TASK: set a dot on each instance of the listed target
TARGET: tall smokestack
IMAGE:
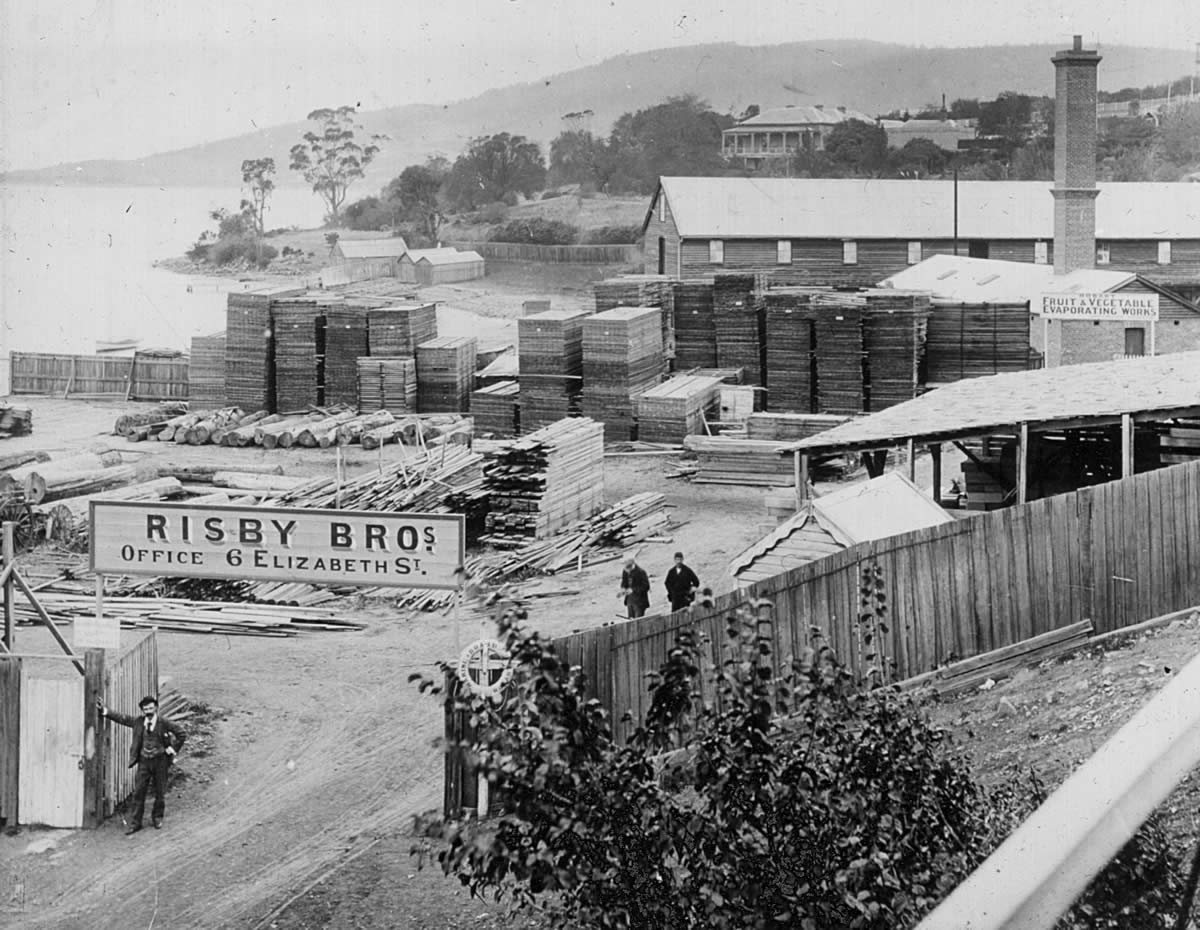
(1075, 158)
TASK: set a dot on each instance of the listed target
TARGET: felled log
(34, 479)
(200, 433)
(56, 486)
(219, 434)
(203, 474)
(309, 435)
(416, 431)
(352, 430)
(77, 507)
(243, 481)
(217, 497)
(128, 422)
(245, 434)
(382, 435)
(283, 433)
(17, 459)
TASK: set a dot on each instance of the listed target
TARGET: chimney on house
(1075, 158)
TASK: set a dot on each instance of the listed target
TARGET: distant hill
(868, 76)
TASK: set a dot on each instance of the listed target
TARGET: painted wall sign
(409, 550)
(1143, 307)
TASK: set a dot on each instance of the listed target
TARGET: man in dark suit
(635, 589)
(156, 740)
(681, 583)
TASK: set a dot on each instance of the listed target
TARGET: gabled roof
(415, 255)
(984, 280)
(448, 257)
(804, 208)
(801, 116)
(1099, 392)
(392, 247)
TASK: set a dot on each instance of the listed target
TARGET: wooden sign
(1098, 306)
(408, 550)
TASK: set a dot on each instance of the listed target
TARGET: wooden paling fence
(554, 254)
(1115, 553)
(10, 737)
(128, 678)
(138, 377)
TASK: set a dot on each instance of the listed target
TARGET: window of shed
(783, 252)
(849, 253)
(1041, 253)
(1103, 253)
(716, 251)
(1164, 253)
(914, 252)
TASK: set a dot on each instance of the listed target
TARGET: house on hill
(780, 132)
(839, 231)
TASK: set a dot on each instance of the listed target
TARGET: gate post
(93, 739)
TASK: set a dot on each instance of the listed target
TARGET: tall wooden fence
(130, 677)
(554, 254)
(1117, 554)
(10, 738)
(139, 378)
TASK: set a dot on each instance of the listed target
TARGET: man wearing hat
(681, 583)
(156, 740)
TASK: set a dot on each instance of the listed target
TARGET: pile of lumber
(345, 343)
(396, 331)
(838, 330)
(964, 341)
(788, 427)
(299, 353)
(738, 321)
(788, 332)
(387, 384)
(724, 460)
(894, 341)
(549, 366)
(989, 481)
(622, 358)
(15, 421)
(681, 406)
(1180, 443)
(446, 374)
(496, 409)
(544, 481)
(641, 290)
(206, 370)
(249, 354)
(695, 330)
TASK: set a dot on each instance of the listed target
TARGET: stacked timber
(387, 384)
(496, 409)
(345, 343)
(299, 353)
(249, 355)
(398, 330)
(788, 331)
(788, 427)
(964, 341)
(894, 340)
(641, 290)
(544, 481)
(15, 421)
(206, 370)
(738, 321)
(681, 406)
(695, 329)
(840, 355)
(549, 366)
(622, 358)
(446, 374)
(989, 476)
(1180, 443)
(722, 460)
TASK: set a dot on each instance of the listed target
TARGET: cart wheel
(20, 515)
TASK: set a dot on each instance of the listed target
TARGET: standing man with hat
(156, 740)
(681, 583)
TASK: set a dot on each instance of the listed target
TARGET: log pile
(679, 407)
(387, 384)
(622, 358)
(788, 331)
(722, 460)
(738, 320)
(15, 421)
(550, 366)
(206, 371)
(972, 341)
(446, 374)
(497, 409)
(86, 473)
(397, 331)
(695, 329)
(128, 422)
(299, 353)
(641, 290)
(544, 481)
(345, 343)
(894, 335)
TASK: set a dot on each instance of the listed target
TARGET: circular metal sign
(483, 667)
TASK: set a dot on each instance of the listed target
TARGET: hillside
(868, 76)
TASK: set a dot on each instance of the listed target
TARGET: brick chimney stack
(1075, 158)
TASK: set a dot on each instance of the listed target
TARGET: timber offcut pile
(544, 481)
(641, 290)
(622, 358)
(299, 329)
(971, 341)
(738, 320)
(15, 421)
(550, 366)
(206, 371)
(387, 384)
(695, 329)
(397, 330)
(446, 374)
(894, 335)
(722, 460)
(679, 407)
(788, 331)
(496, 409)
(345, 343)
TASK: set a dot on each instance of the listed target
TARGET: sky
(81, 79)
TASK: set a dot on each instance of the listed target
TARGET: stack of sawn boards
(894, 342)
(677, 408)
(544, 481)
(249, 355)
(387, 384)
(722, 460)
(788, 328)
(206, 371)
(550, 366)
(622, 358)
(972, 341)
(446, 374)
(641, 290)
(738, 321)
(695, 331)
(496, 409)
(299, 353)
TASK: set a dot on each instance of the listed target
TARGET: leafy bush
(494, 212)
(536, 231)
(369, 213)
(228, 251)
(613, 235)
(551, 195)
(802, 799)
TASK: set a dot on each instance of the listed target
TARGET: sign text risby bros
(408, 550)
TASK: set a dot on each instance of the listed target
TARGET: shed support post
(802, 480)
(9, 555)
(911, 454)
(1023, 463)
(93, 739)
(935, 456)
(875, 462)
(1126, 445)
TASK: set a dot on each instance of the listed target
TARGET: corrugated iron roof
(989, 280)
(448, 257)
(801, 116)
(804, 208)
(1096, 391)
(415, 255)
(392, 247)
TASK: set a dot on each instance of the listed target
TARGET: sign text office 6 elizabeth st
(277, 544)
